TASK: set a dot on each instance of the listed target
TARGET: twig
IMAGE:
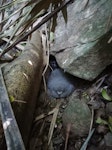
(46, 50)
(44, 115)
(53, 123)
(19, 46)
(110, 40)
(67, 135)
(100, 82)
(84, 146)
(92, 119)
(108, 23)
(2, 15)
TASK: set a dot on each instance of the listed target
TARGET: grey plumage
(59, 84)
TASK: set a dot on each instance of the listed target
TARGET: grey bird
(59, 84)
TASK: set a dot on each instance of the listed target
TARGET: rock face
(78, 115)
(108, 140)
(82, 45)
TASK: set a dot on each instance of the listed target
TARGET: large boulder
(78, 115)
(82, 45)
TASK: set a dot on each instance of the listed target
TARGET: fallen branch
(11, 130)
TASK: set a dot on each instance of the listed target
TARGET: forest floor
(48, 126)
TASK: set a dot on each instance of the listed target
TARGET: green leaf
(106, 96)
(11, 98)
(101, 121)
(110, 123)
